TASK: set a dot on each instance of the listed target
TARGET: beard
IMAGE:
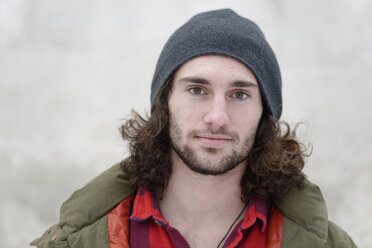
(203, 165)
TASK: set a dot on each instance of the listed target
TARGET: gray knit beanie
(226, 33)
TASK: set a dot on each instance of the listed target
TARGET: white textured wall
(71, 70)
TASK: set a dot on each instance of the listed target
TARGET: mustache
(221, 131)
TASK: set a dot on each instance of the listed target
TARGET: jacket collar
(95, 199)
(305, 208)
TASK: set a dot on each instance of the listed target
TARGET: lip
(213, 141)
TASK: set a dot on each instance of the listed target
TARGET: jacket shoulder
(295, 235)
(83, 216)
(306, 221)
(92, 236)
(338, 238)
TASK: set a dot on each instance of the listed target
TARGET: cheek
(246, 121)
(184, 112)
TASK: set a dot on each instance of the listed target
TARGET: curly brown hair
(275, 157)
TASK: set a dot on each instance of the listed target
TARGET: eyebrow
(237, 83)
(196, 80)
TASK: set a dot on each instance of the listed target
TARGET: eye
(197, 91)
(240, 95)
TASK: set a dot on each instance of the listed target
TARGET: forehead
(215, 67)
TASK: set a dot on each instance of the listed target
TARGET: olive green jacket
(83, 217)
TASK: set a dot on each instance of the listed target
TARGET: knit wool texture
(223, 32)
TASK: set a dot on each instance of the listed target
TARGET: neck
(216, 200)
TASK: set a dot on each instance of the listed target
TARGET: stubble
(194, 161)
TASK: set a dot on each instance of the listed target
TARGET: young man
(212, 165)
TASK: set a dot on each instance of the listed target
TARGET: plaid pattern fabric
(148, 228)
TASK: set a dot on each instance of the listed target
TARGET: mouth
(213, 141)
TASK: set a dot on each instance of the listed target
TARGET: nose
(216, 116)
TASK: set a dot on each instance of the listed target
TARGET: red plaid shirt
(149, 229)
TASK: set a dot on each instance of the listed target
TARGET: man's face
(215, 108)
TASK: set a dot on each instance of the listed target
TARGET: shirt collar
(258, 209)
(146, 206)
